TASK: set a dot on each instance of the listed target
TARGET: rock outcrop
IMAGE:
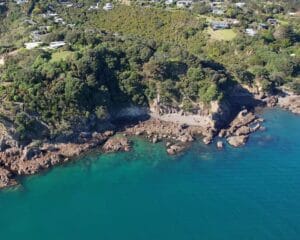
(32, 159)
(176, 135)
(272, 101)
(240, 128)
(290, 102)
(175, 149)
(6, 179)
(117, 143)
(237, 141)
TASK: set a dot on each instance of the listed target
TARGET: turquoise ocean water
(251, 193)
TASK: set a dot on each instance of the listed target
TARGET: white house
(292, 14)
(21, 1)
(29, 21)
(272, 21)
(184, 3)
(71, 25)
(59, 20)
(233, 21)
(108, 6)
(169, 2)
(66, 3)
(240, 4)
(51, 14)
(44, 28)
(94, 7)
(217, 11)
(32, 45)
(35, 35)
(217, 4)
(220, 25)
(48, 15)
(57, 44)
(251, 32)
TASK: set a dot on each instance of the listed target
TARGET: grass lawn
(224, 34)
(61, 55)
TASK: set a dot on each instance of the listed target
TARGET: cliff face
(222, 113)
(7, 138)
(214, 115)
(199, 116)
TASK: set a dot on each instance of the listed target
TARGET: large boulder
(115, 144)
(207, 140)
(186, 138)
(290, 102)
(155, 139)
(220, 144)
(175, 149)
(237, 141)
(240, 125)
(6, 178)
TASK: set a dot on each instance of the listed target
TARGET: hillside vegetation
(176, 27)
(131, 56)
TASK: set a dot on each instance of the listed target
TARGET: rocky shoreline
(177, 136)
(34, 158)
(290, 103)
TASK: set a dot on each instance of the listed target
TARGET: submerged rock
(220, 144)
(175, 149)
(186, 138)
(255, 128)
(138, 133)
(207, 140)
(222, 133)
(155, 139)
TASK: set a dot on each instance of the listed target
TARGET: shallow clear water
(247, 193)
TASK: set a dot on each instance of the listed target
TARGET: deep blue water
(251, 193)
